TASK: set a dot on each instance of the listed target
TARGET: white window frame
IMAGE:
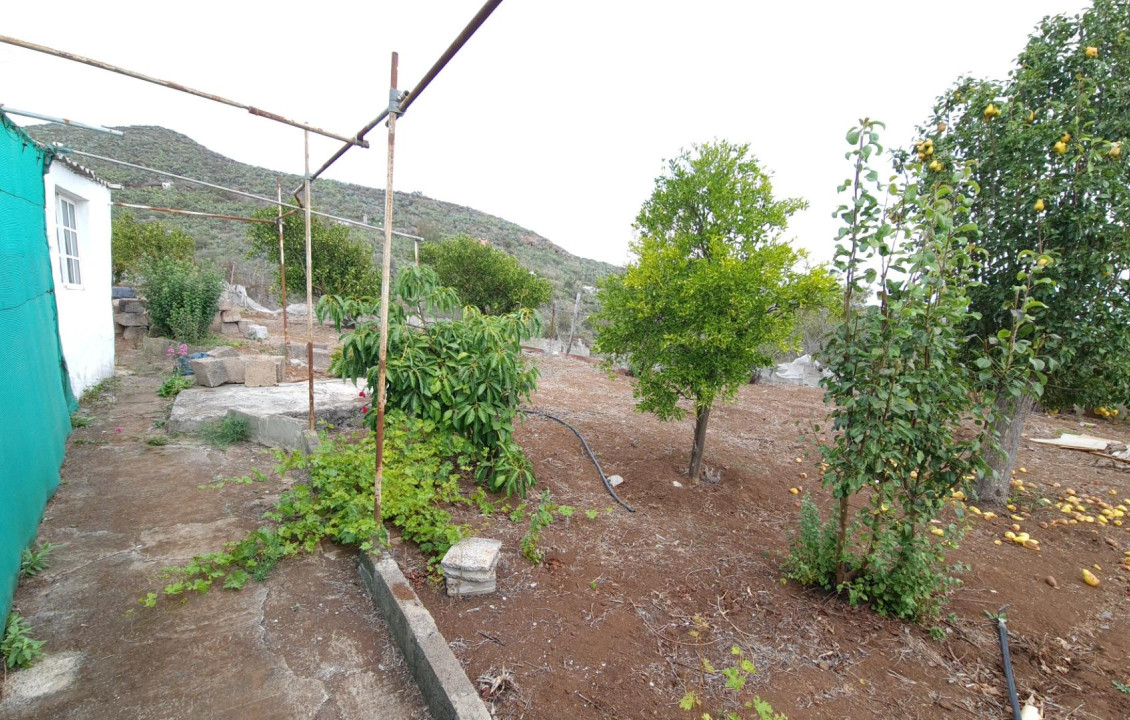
(68, 252)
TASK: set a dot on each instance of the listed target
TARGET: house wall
(86, 320)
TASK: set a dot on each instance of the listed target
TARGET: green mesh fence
(35, 396)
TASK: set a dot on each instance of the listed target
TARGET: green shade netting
(35, 395)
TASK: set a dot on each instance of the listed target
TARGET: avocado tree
(712, 283)
(1046, 149)
(487, 278)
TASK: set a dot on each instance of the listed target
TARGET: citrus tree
(135, 243)
(1048, 152)
(489, 279)
(711, 285)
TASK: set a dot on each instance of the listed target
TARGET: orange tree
(712, 285)
(1047, 147)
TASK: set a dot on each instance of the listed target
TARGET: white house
(77, 203)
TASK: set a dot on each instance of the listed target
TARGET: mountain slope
(225, 241)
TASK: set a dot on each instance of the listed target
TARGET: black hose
(607, 485)
(1003, 631)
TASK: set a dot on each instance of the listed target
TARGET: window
(68, 242)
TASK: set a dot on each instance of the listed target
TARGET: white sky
(557, 115)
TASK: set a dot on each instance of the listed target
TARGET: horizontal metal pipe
(342, 150)
(195, 213)
(177, 86)
(253, 196)
(62, 121)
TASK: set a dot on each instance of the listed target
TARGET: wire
(607, 485)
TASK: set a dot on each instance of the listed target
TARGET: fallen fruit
(937, 531)
(1089, 578)
(794, 491)
(804, 476)
(997, 542)
(1051, 581)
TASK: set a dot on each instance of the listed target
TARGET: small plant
(540, 519)
(219, 483)
(19, 649)
(592, 514)
(95, 393)
(518, 514)
(80, 421)
(222, 434)
(1121, 687)
(157, 441)
(174, 384)
(736, 676)
(33, 560)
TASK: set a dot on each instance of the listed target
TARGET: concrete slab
(334, 401)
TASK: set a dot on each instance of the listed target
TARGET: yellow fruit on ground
(989, 515)
(1010, 534)
(794, 491)
(1091, 51)
(1016, 527)
(974, 509)
(1021, 538)
(1089, 578)
(1012, 507)
(937, 531)
(1060, 147)
(1069, 491)
(1096, 566)
(997, 542)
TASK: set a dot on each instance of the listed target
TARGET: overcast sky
(557, 115)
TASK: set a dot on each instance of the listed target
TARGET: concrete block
(116, 303)
(136, 332)
(209, 372)
(469, 566)
(119, 329)
(260, 371)
(457, 587)
(130, 305)
(223, 351)
(321, 360)
(334, 402)
(230, 316)
(443, 684)
(231, 328)
(243, 326)
(131, 319)
(233, 367)
(157, 346)
(257, 332)
(225, 305)
(280, 368)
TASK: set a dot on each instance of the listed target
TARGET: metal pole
(386, 271)
(253, 196)
(282, 278)
(416, 250)
(553, 320)
(177, 86)
(60, 121)
(309, 288)
(194, 213)
(573, 325)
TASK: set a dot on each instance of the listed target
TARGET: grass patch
(157, 441)
(222, 434)
(80, 421)
(174, 384)
(95, 393)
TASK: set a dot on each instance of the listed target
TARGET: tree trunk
(701, 417)
(992, 490)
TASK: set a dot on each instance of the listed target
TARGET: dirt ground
(617, 621)
(306, 643)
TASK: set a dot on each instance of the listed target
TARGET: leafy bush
(19, 649)
(465, 375)
(342, 264)
(135, 244)
(334, 501)
(491, 280)
(181, 298)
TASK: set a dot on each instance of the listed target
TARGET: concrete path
(305, 643)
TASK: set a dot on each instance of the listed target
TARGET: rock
(130, 319)
(226, 305)
(209, 372)
(615, 480)
(131, 305)
(469, 566)
(230, 316)
(243, 326)
(676, 483)
(122, 292)
(229, 328)
(322, 360)
(233, 366)
(137, 332)
(223, 351)
(1051, 581)
(335, 402)
(257, 332)
(261, 370)
(119, 329)
(158, 347)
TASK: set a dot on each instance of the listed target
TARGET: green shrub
(33, 560)
(135, 244)
(491, 280)
(342, 264)
(17, 647)
(224, 433)
(181, 298)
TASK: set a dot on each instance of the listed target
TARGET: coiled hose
(607, 485)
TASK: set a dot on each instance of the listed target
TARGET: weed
(592, 514)
(1121, 687)
(157, 441)
(174, 384)
(222, 434)
(33, 560)
(80, 421)
(736, 676)
(540, 519)
(219, 483)
(937, 633)
(95, 393)
(518, 514)
(19, 649)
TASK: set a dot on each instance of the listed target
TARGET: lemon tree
(1047, 151)
(711, 286)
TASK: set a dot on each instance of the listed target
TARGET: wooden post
(282, 278)
(553, 320)
(309, 284)
(573, 325)
(386, 271)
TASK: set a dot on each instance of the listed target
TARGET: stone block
(119, 329)
(225, 305)
(230, 316)
(243, 326)
(116, 302)
(469, 566)
(130, 305)
(130, 319)
(457, 587)
(136, 332)
(233, 366)
(229, 328)
(260, 370)
(223, 351)
(209, 372)
(257, 332)
(158, 346)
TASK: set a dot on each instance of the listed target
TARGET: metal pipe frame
(194, 213)
(61, 121)
(182, 88)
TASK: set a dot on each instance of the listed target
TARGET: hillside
(225, 241)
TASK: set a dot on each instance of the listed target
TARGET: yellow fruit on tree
(1039, 206)
(935, 166)
(991, 111)
(1031, 116)
(1115, 150)
(1043, 261)
(1066, 138)
(1060, 147)
(1091, 51)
